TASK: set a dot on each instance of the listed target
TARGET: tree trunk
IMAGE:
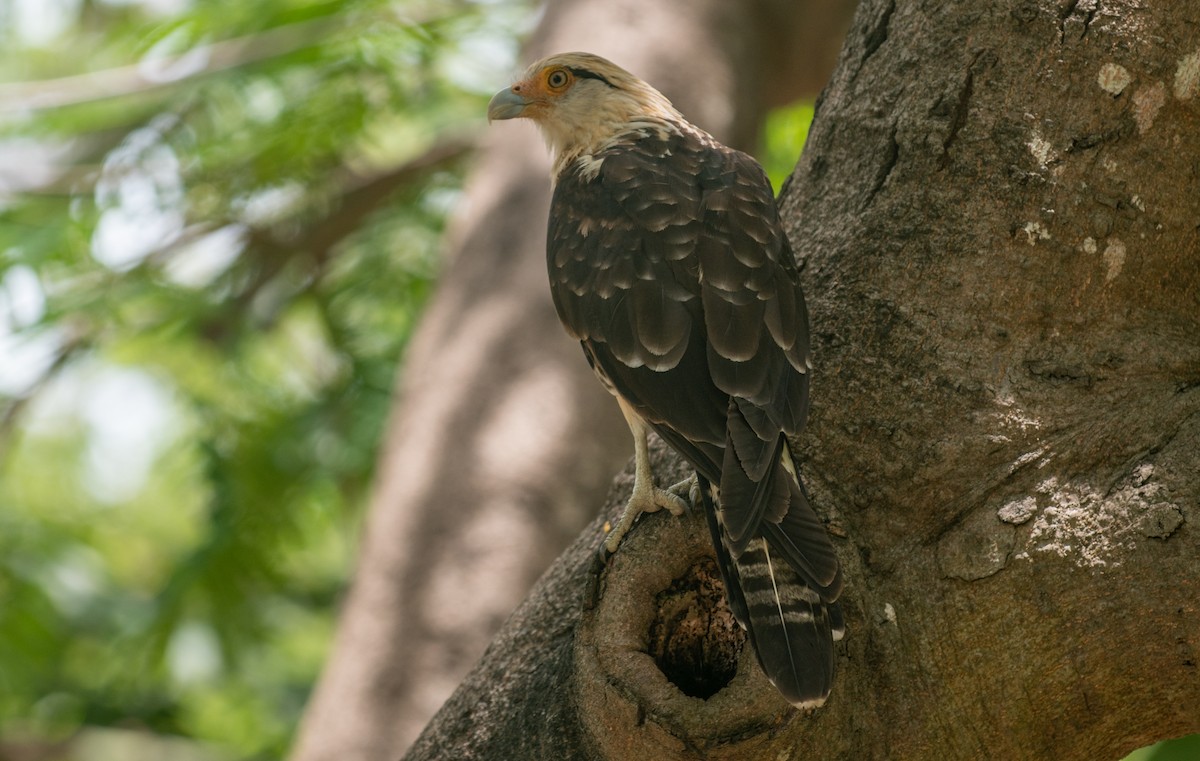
(998, 217)
(503, 442)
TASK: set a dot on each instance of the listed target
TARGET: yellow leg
(646, 497)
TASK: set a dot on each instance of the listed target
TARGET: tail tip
(803, 702)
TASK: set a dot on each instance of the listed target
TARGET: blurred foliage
(784, 135)
(1179, 749)
(219, 220)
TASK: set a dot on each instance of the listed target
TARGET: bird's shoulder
(666, 187)
(657, 157)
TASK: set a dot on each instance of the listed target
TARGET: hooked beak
(506, 104)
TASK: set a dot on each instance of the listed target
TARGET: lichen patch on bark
(1187, 76)
(1113, 78)
(1147, 102)
(1080, 521)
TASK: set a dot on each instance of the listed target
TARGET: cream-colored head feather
(580, 102)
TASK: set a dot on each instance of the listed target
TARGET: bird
(668, 262)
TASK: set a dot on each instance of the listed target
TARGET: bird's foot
(646, 498)
(688, 489)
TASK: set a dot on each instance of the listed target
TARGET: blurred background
(219, 223)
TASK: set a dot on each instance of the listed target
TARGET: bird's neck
(578, 134)
(589, 153)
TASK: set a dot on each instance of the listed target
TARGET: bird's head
(579, 101)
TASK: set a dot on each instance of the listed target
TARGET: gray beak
(506, 104)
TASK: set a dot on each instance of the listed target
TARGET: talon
(646, 498)
(600, 560)
(688, 490)
(674, 503)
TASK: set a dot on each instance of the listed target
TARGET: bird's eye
(558, 79)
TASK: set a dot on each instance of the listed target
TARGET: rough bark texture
(502, 442)
(999, 219)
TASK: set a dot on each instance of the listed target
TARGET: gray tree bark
(502, 442)
(998, 216)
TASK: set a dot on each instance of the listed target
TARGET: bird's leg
(646, 497)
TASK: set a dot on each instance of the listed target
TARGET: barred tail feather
(791, 628)
(789, 625)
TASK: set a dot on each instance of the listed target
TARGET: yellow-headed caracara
(669, 263)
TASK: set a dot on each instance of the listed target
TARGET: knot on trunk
(662, 669)
(694, 637)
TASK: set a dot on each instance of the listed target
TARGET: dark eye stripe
(586, 74)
